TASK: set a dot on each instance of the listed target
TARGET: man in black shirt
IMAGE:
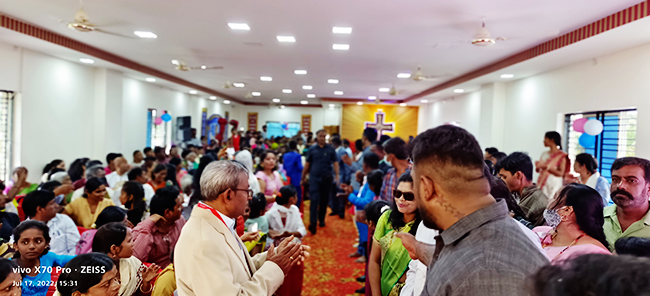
(321, 159)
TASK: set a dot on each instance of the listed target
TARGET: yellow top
(79, 211)
(166, 282)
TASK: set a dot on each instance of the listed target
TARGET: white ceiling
(388, 37)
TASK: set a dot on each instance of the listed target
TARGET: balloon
(587, 141)
(593, 127)
(166, 117)
(579, 124)
(158, 121)
(284, 126)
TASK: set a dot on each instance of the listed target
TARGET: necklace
(570, 245)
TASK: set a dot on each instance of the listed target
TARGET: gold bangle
(150, 289)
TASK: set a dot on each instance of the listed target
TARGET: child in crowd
(285, 221)
(257, 221)
(360, 199)
(373, 211)
(31, 241)
(9, 278)
(114, 240)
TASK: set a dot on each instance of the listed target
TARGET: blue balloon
(284, 126)
(166, 117)
(587, 140)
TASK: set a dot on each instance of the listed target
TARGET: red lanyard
(214, 212)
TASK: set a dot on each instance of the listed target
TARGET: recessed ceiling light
(289, 39)
(145, 34)
(359, 103)
(276, 100)
(238, 84)
(459, 90)
(256, 94)
(286, 91)
(402, 104)
(332, 105)
(507, 76)
(311, 96)
(175, 62)
(404, 75)
(307, 87)
(281, 106)
(340, 46)
(372, 98)
(304, 102)
(239, 26)
(213, 98)
(384, 89)
(150, 79)
(226, 102)
(332, 81)
(203, 67)
(300, 72)
(341, 30)
(193, 92)
(266, 78)
(338, 93)
(424, 101)
(87, 61)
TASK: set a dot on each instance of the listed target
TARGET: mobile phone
(252, 228)
(231, 152)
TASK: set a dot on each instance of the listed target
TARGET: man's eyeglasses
(408, 196)
(250, 192)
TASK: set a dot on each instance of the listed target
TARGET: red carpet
(329, 270)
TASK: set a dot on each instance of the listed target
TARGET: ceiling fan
(81, 23)
(483, 38)
(394, 91)
(419, 76)
(182, 66)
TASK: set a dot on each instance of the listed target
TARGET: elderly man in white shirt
(119, 176)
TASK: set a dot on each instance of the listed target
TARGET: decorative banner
(395, 121)
(252, 121)
(204, 122)
(305, 123)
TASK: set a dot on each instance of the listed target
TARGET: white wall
(319, 116)
(514, 116)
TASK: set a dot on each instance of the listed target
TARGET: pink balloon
(579, 124)
(158, 121)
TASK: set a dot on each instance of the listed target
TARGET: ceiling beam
(49, 36)
(610, 22)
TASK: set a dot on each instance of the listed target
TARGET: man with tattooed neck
(480, 250)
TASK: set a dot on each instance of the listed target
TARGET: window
(618, 138)
(158, 134)
(6, 133)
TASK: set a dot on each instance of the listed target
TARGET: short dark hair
(555, 136)
(257, 204)
(111, 234)
(134, 173)
(31, 224)
(7, 267)
(517, 162)
(397, 147)
(83, 281)
(636, 161)
(92, 184)
(406, 177)
(110, 214)
(371, 134)
(635, 246)
(374, 210)
(135, 152)
(593, 274)
(378, 145)
(376, 179)
(293, 145)
(358, 145)
(286, 192)
(499, 155)
(588, 161)
(371, 160)
(157, 150)
(336, 141)
(112, 156)
(491, 150)
(146, 150)
(175, 161)
(165, 199)
(49, 186)
(35, 199)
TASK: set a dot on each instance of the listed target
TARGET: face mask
(552, 218)
(386, 161)
(257, 160)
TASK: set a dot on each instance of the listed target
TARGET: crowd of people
(435, 216)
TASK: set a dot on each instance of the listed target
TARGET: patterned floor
(329, 270)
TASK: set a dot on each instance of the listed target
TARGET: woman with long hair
(132, 198)
(108, 215)
(268, 176)
(575, 224)
(552, 166)
(389, 259)
(77, 170)
(158, 177)
(84, 211)
(104, 280)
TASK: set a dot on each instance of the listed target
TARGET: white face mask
(386, 161)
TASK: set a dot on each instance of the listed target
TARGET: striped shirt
(390, 184)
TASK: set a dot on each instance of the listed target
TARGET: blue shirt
(293, 166)
(321, 160)
(345, 170)
(39, 284)
(361, 200)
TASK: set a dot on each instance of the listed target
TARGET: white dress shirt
(113, 178)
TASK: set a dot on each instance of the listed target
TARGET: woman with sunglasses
(575, 224)
(388, 258)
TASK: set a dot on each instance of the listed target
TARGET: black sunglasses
(408, 196)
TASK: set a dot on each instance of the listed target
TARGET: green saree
(394, 257)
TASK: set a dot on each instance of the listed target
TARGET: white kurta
(293, 221)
